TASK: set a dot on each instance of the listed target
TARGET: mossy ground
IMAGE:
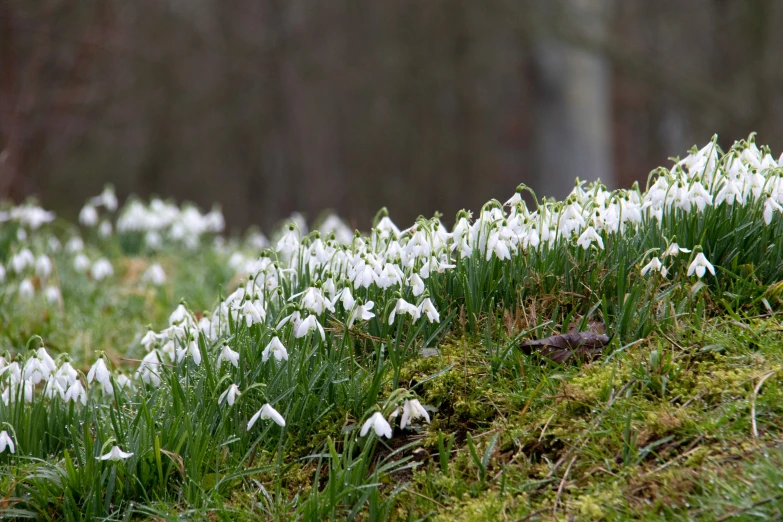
(683, 424)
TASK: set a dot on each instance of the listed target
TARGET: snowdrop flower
(675, 249)
(101, 269)
(147, 371)
(289, 242)
(227, 354)
(192, 350)
(346, 298)
(307, 325)
(253, 315)
(53, 388)
(294, 318)
(515, 199)
(65, 374)
(155, 275)
(43, 267)
(315, 301)
(587, 238)
(76, 393)
(6, 442)
(417, 284)
(700, 265)
(149, 340)
(655, 265)
(107, 198)
(100, 373)
(404, 307)
(361, 313)
(20, 261)
(74, 245)
(105, 229)
(180, 315)
(230, 395)
(26, 289)
(81, 263)
(699, 195)
(52, 294)
(274, 348)
(427, 308)
(115, 454)
(412, 410)
(381, 427)
(265, 413)
(770, 206)
(730, 192)
(88, 216)
(2, 273)
(123, 381)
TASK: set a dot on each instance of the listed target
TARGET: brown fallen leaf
(561, 348)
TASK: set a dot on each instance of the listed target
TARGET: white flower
(179, 315)
(230, 395)
(274, 348)
(105, 229)
(675, 249)
(26, 289)
(427, 308)
(412, 410)
(192, 350)
(22, 260)
(770, 206)
(115, 454)
(149, 340)
(43, 267)
(417, 284)
(101, 269)
(346, 298)
(6, 442)
(81, 263)
(307, 325)
(404, 307)
(52, 294)
(379, 424)
(700, 265)
(100, 373)
(315, 301)
(587, 238)
(76, 393)
(74, 245)
(253, 314)
(227, 354)
(266, 412)
(361, 313)
(655, 265)
(66, 375)
(699, 195)
(88, 216)
(154, 275)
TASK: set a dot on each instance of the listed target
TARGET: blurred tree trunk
(573, 113)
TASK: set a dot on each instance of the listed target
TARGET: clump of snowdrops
(324, 321)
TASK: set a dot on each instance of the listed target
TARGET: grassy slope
(660, 428)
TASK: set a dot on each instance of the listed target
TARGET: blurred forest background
(272, 106)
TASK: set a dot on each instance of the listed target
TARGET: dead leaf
(561, 348)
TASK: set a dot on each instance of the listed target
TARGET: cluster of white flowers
(162, 220)
(19, 381)
(303, 281)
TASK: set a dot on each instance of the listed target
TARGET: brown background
(273, 106)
